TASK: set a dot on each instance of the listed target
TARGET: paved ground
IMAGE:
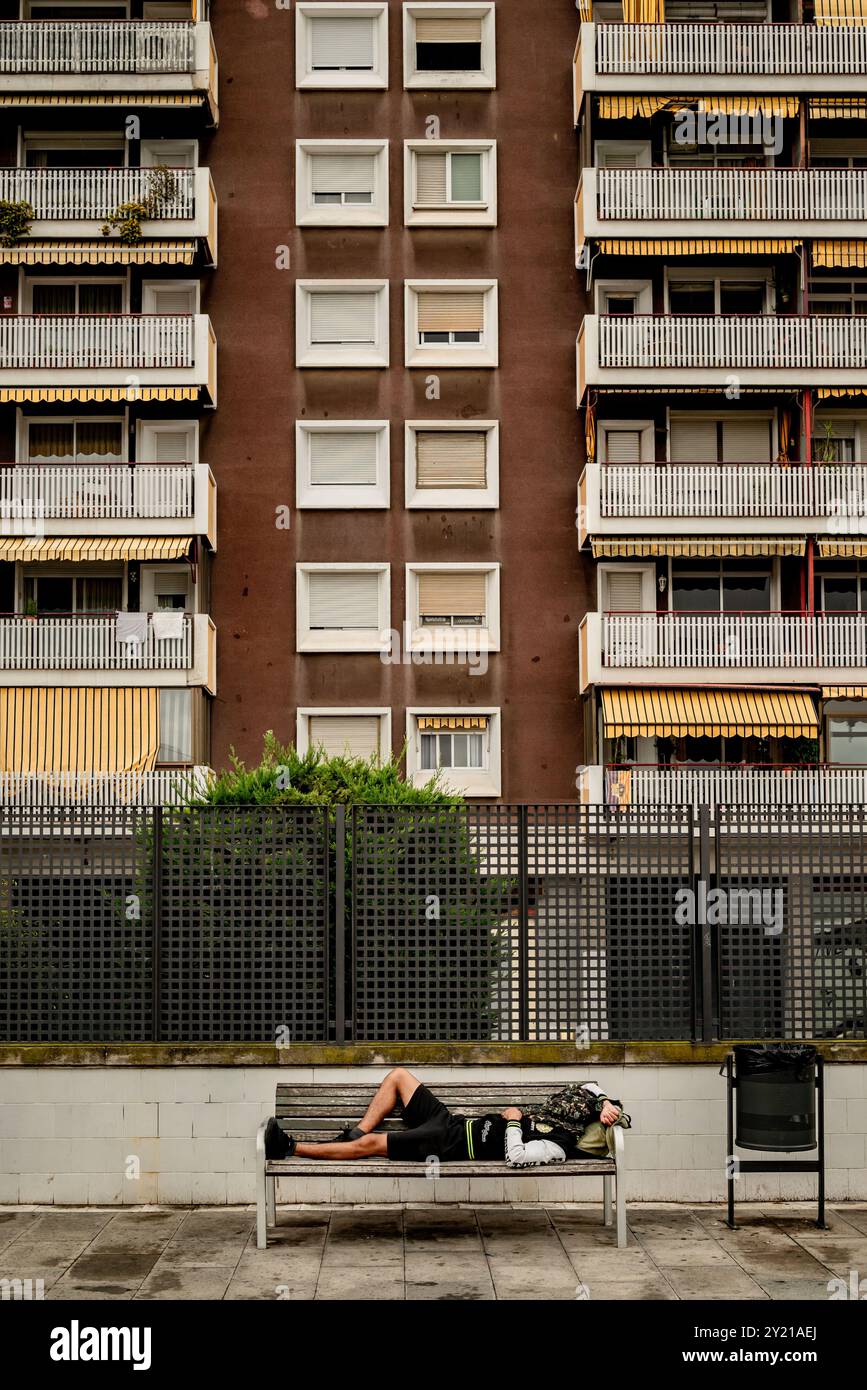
(528, 1252)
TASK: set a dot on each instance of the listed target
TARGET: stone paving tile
(470, 1291)
(13, 1224)
(816, 1291)
(132, 1228)
(126, 1266)
(69, 1225)
(186, 1282)
(91, 1291)
(854, 1216)
(48, 1260)
(652, 1288)
(621, 1265)
(359, 1283)
(710, 1282)
(838, 1254)
(685, 1254)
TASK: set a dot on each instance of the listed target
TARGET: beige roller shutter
(622, 446)
(693, 441)
(747, 441)
(451, 458)
(342, 456)
(448, 30)
(345, 735)
(624, 591)
(343, 173)
(342, 42)
(455, 593)
(431, 179)
(171, 446)
(344, 599)
(451, 311)
(343, 317)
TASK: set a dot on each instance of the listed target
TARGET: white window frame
(677, 274)
(719, 417)
(431, 81)
(485, 354)
(483, 214)
(82, 140)
(641, 148)
(336, 639)
(309, 214)
(165, 427)
(150, 293)
(308, 80)
(641, 289)
(485, 781)
(649, 593)
(337, 355)
(454, 639)
(157, 145)
(304, 714)
(458, 498)
(321, 497)
(646, 429)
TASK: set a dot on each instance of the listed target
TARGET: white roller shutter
(344, 599)
(343, 173)
(341, 43)
(451, 311)
(431, 179)
(171, 446)
(162, 299)
(747, 441)
(454, 594)
(451, 458)
(693, 441)
(343, 316)
(622, 446)
(345, 735)
(342, 456)
(624, 591)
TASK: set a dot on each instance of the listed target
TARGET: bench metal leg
(620, 1197)
(271, 1196)
(607, 1204)
(261, 1191)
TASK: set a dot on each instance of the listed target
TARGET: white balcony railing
(93, 341)
(746, 786)
(90, 499)
(88, 642)
(735, 49)
(736, 340)
(750, 490)
(716, 195)
(726, 641)
(87, 194)
(159, 787)
(97, 46)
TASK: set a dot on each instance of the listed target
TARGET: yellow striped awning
(710, 390)
(106, 251)
(832, 108)
(708, 247)
(825, 392)
(80, 729)
(635, 713)
(695, 547)
(102, 99)
(644, 11)
(839, 253)
(20, 394)
(842, 547)
(76, 548)
(620, 108)
(585, 10)
(845, 12)
(431, 722)
(844, 692)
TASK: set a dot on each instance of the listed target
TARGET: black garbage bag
(795, 1060)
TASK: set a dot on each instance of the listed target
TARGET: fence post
(340, 924)
(706, 955)
(156, 924)
(523, 929)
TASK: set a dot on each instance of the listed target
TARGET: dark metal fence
(474, 923)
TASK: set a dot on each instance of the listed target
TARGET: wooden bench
(313, 1112)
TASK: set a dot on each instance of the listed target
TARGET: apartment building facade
(721, 379)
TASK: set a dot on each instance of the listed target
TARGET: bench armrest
(260, 1141)
(619, 1145)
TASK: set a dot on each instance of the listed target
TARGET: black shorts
(432, 1131)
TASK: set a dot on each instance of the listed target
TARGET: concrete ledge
(389, 1054)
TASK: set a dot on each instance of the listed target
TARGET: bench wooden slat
(385, 1168)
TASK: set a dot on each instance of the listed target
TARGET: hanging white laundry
(168, 625)
(131, 628)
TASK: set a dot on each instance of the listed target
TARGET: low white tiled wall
(112, 1135)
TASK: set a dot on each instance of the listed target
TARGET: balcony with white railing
(89, 648)
(758, 648)
(724, 785)
(132, 352)
(168, 57)
(730, 58)
(93, 499)
(162, 786)
(684, 350)
(741, 499)
(75, 203)
(734, 202)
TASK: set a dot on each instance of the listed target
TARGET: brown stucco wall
(249, 441)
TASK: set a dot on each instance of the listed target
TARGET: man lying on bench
(573, 1123)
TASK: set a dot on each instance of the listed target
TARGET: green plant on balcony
(15, 220)
(126, 220)
(827, 449)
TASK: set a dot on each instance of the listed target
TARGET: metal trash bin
(775, 1092)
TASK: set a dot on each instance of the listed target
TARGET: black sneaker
(277, 1144)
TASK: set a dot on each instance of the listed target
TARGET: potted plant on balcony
(162, 187)
(30, 610)
(15, 220)
(827, 450)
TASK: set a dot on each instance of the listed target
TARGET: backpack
(573, 1108)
